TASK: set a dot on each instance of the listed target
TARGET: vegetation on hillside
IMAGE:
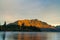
(29, 26)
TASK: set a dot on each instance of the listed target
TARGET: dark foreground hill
(28, 26)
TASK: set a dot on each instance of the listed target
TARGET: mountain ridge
(27, 25)
(33, 22)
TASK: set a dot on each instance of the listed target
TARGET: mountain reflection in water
(30, 36)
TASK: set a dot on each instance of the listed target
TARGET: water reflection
(30, 36)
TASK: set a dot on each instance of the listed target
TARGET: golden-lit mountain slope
(34, 23)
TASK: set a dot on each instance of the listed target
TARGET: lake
(30, 35)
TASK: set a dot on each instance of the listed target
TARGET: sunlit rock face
(33, 23)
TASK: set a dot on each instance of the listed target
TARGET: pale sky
(44, 10)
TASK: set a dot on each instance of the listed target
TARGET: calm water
(30, 35)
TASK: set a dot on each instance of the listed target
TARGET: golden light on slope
(34, 23)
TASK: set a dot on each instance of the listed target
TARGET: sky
(44, 10)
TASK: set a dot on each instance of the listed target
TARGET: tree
(4, 26)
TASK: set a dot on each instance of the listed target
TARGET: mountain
(33, 23)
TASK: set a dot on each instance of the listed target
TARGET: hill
(33, 22)
(33, 25)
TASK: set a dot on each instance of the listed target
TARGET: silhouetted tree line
(12, 27)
